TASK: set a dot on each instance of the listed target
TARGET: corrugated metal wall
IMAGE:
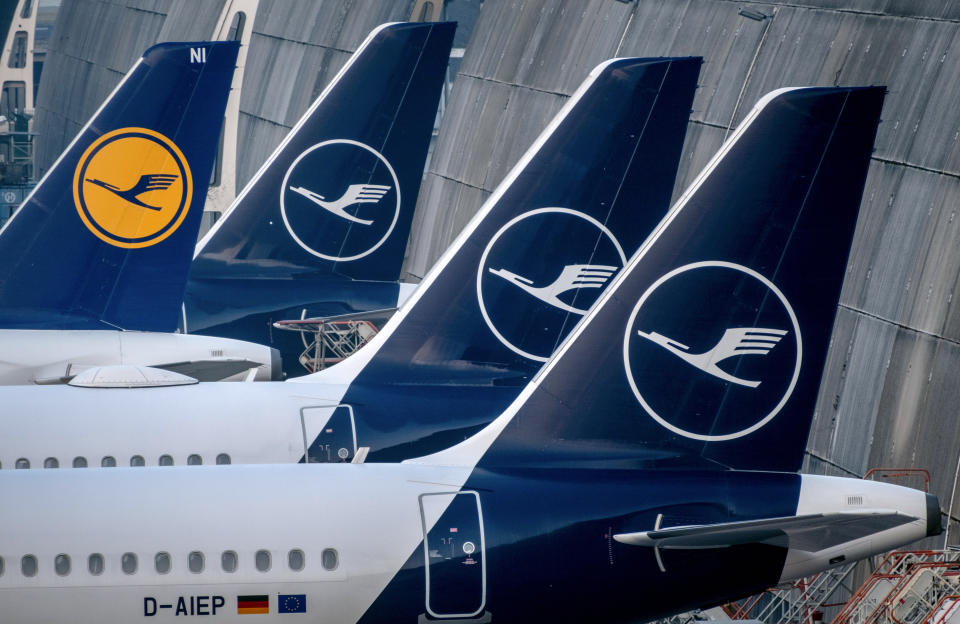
(93, 44)
(296, 48)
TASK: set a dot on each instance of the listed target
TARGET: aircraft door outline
(454, 532)
(318, 429)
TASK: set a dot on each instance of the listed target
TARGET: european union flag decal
(291, 603)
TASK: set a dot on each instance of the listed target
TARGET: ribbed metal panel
(296, 48)
(93, 45)
(190, 20)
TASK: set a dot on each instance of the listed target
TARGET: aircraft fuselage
(396, 543)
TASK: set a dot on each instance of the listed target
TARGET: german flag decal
(248, 605)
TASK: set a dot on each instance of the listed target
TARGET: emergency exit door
(455, 565)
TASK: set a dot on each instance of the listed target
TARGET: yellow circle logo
(132, 187)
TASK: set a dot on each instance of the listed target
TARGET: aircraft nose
(934, 527)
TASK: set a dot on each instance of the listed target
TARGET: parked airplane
(495, 528)
(103, 242)
(587, 193)
(321, 229)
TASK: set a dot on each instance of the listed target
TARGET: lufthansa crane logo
(340, 200)
(132, 187)
(539, 275)
(712, 351)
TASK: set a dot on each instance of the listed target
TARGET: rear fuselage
(388, 543)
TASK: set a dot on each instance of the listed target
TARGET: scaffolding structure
(328, 341)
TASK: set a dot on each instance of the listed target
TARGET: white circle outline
(796, 368)
(507, 226)
(283, 208)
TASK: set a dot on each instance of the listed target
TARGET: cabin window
(194, 460)
(223, 459)
(79, 462)
(195, 562)
(138, 460)
(128, 563)
(51, 462)
(95, 564)
(329, 559)
(22, 464)
(25, 12)
(61, 564)
(28, 565)
(161, 562)
(262, 560)
(295, 559)
(228, 561)
(1, 566)
(108, 462)
(165, 460)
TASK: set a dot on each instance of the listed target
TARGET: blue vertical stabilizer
(105, 239)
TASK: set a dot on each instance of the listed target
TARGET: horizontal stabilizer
(214, 369)
(810, 533)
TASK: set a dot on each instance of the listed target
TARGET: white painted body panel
(251, 422)
(28, 355)
(210, 509)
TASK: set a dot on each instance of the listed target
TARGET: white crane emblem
(734, 342)
(573, 276)
(355, 194)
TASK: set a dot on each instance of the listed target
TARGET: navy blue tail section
(531, 263)
(105, 240)
(708, 350)
(322, 228)
(337, 196)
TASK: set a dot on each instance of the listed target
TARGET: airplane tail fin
(707, 350)
(104, 239)
(563, 222)
(338, 193)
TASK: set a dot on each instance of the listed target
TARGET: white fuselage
(247, 422)
(213, 510)
(29, 356)
(332, 536)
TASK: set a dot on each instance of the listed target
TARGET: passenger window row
(108, 461)
(163, 562)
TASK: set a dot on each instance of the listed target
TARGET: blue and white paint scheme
(498, 528)
(321, 229)
(585, 195)
(104, 240)
(110, 250)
